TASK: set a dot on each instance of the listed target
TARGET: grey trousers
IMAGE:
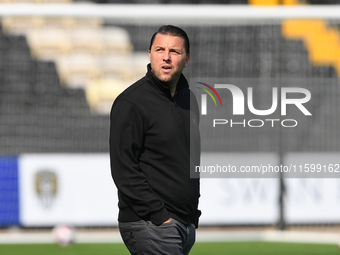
(145, 238)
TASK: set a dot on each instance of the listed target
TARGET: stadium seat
(86, 40)
(72, 23)
(18, 1)
(115, 39)
(274, 2)
(20, 25)
(75, 70)
(59, 23)
(126, 67)
(102, 92)
(100, 40)
(322, 42)
(89, 23)
(54, 1)
(49, 43)
(37, 1)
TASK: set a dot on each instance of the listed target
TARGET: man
(151, 125)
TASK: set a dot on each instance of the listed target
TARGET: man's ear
(187, 60)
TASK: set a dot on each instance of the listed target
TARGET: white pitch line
(18, 237)
(268, 235)
(113, 236)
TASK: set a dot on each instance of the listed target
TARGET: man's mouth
(166, 68)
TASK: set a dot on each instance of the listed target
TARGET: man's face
(168, 58)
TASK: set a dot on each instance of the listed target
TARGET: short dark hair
(174, 31)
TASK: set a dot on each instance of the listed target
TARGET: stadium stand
(36, 113)
(81, 48)
(39, 113)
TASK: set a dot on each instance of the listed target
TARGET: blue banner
(9, 191)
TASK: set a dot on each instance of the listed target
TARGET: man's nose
(166, 56)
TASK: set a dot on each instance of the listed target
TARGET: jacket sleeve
(195, 218)
(126, 144)
(195, 143)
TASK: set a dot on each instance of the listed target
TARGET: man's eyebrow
(171, 48)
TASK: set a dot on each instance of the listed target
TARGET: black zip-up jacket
(150, 152)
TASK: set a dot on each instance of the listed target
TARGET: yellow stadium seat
(18, 1)
(37, 1)
(100, 41)
(116, 39)
(264, 2)
(60, 23)
(127, 67)
(89, 23)
(86, 40)
(48, 43)
(275, 2)
(101, 93)
(77, 70)
(20, 25)
(73, 23)
(55, 1)
(321, 41)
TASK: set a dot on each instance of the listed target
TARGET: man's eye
(175, 52)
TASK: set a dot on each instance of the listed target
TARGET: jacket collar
(181, 84)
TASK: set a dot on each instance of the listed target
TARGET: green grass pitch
(216, 248)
